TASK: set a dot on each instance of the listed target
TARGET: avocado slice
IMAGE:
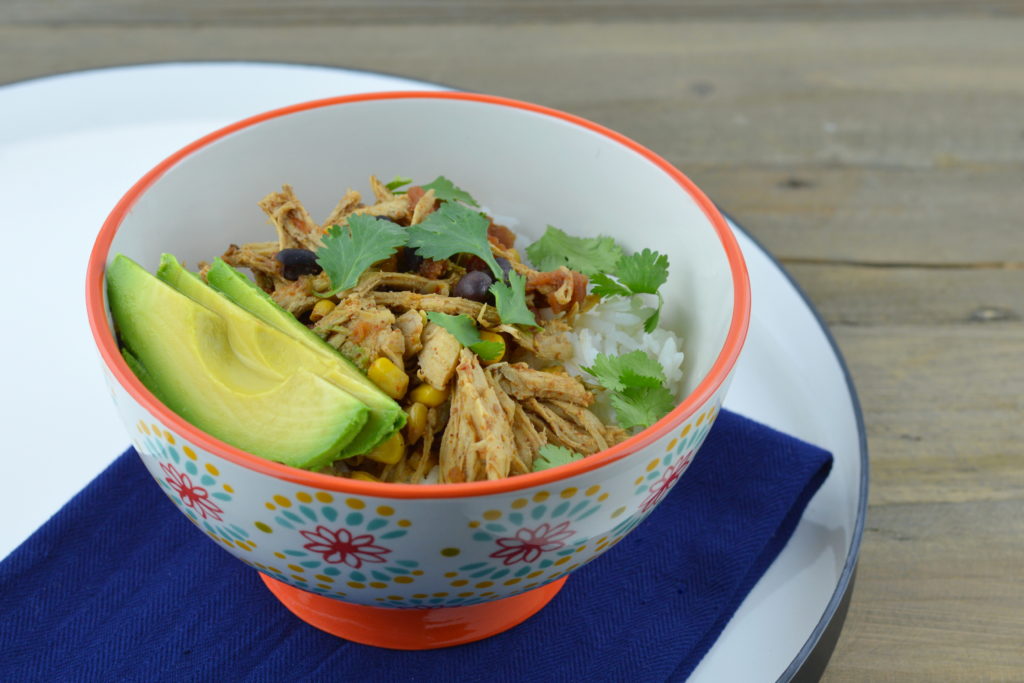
(185, 353)
(386, 416)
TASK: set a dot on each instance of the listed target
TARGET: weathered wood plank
(938, 596)
(945, 396)
(938, 589)
(958, 215)
(855, 295)
(312, 12)
(872, 93)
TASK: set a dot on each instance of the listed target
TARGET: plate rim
(800, 664)
(844, 585)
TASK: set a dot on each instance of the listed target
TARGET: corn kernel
(417, 422)
(493, 337)
(391, 379)
(513, 255)
(320, 309)
(363, 476)
(428, 395)
(389, 452)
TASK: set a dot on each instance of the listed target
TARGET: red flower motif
(341, 547)
(528, 544)
(195, 497)
(662, 486)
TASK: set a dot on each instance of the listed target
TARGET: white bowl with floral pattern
(419, 566)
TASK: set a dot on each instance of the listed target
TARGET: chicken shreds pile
(474, 420)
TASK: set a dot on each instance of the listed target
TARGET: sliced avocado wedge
(386, 416)
(186, 357)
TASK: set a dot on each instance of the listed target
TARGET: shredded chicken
(527, 439)
(439, 356)
(478, 443)
(259, 258)
(404, 301)
(423, 207)
(523, 383)
(362, 331)
(351, 201)
(375, 280)
(411, 325)
(295, 227)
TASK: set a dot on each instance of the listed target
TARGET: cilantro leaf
(349, 251)
(605, 286)
(465, 332)
(651, 323)
(551, 455)
(397, 182)
(446, 190)
(637, 383)
(643, 272)
(633, 369)
(640, 273)
(453, 229)
(510, 300)
(588, 255)
(641, 406)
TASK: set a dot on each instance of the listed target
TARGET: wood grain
(490, 12)
(876, 148)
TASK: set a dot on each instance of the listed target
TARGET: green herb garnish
(640, 273)
(446, 191)
(637, 385)
(510, 300)
(453, 229)
(349, 251)
(551, 455)
(588, 255)
(397, 182)
(465, 332)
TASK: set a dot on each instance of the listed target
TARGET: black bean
(474, 285)
(408, 260)
(506, 266)
(297, 262)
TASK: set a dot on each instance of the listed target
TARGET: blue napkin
(119, 586)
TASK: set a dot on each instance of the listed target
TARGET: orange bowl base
(413, 628)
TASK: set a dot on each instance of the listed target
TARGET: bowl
(422, 566)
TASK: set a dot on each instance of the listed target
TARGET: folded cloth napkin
(119, 586)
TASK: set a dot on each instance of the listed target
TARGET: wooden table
(877, 151)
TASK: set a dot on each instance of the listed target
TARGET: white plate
(72, 144)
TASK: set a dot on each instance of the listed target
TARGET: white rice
(614, 327)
